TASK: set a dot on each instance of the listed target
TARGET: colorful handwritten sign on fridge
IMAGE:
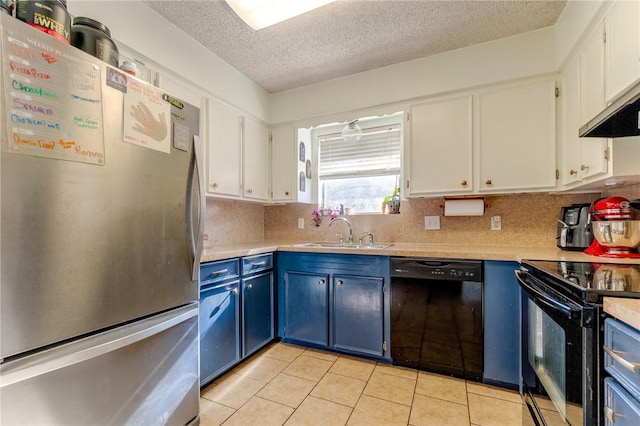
(53, 100)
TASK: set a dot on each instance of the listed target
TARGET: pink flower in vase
(316, 216)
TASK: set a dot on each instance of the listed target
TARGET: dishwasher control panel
(436, 269)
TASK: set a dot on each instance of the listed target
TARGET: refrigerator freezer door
(88, 246)
(144, 373)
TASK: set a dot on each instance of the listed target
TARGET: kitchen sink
(346, 245)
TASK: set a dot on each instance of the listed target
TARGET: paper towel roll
(465, 207)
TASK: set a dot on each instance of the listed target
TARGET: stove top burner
(591, 281)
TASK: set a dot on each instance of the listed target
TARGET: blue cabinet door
(306, 317)
(219, 323)
(257, 312)
(358, 324)
(501, 324)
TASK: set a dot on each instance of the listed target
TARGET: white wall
(516, 57)
(530, 54)
(142, 29)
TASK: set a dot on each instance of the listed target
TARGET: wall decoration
(308, 169)
(302, 153)
(303, 182)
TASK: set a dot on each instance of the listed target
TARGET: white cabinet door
(256, 160)
(441, 146)
(592, 100)
(225, 145)
(570, 144)
(283, 162)
(517, 138)
(622, 46)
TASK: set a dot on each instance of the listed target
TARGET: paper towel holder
(464, 197)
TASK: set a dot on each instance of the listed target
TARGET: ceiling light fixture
(259, 14)
(351, 132)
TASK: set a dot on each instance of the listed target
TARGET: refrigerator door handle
(197, 240)
(74, 353)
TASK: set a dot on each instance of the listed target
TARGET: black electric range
(588, 282)
(562, 336)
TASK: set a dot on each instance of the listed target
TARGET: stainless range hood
(620, 119)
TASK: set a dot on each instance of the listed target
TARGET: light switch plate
(432, 222)
(496, 222)
(300, 223)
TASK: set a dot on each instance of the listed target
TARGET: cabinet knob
(286, 193)
(584, 167)
(488, 182)
(214, 185)
(573, 172)
(320, 282)
(463, 183)
(249, 286)
(339, 282)
(249, 191)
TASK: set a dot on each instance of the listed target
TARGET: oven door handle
(569, 310)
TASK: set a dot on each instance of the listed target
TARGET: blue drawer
(219, 271)
(622, 354)
(620, 408)
(253, 264)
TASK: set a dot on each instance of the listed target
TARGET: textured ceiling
(350, 36)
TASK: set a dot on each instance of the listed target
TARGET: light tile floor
(291, 385)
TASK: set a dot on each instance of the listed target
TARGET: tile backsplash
(527, 220)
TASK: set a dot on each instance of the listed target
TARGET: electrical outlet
(300, 223)
(496, 223)
(432, 222)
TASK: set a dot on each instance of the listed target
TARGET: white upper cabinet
(440, 152)
(516, 138)
(570, 97)
(282, 163)
(224, 151)
(592, 151)
(255, 160)
(287, 169)
(238, 155)
(623, 46)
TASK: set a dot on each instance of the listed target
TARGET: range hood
(620, 119)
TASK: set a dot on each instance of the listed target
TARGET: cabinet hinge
(384, 289)
(557, 92)
(557, 174)
(384, 345)
(604, 36)
(407, 183)
(408, 116)
(606, 153)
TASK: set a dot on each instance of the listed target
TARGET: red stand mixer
(616, 228)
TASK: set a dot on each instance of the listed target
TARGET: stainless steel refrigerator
(101, 231)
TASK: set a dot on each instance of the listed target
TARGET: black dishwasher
(436, 315)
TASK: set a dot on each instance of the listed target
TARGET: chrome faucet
(348, 223)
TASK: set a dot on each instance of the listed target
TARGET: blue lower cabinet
(236, 315)
(306, 308)
(334, 301)
(501, 324)
(257, 312)
(620, 408)
(219, 329)
(358, 310)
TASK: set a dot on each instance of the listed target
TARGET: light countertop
(626, 310)
(219, 252)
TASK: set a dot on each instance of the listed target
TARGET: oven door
(558, 358)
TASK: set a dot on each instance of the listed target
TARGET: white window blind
(377, 153)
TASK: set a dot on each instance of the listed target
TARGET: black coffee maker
(574, 227)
